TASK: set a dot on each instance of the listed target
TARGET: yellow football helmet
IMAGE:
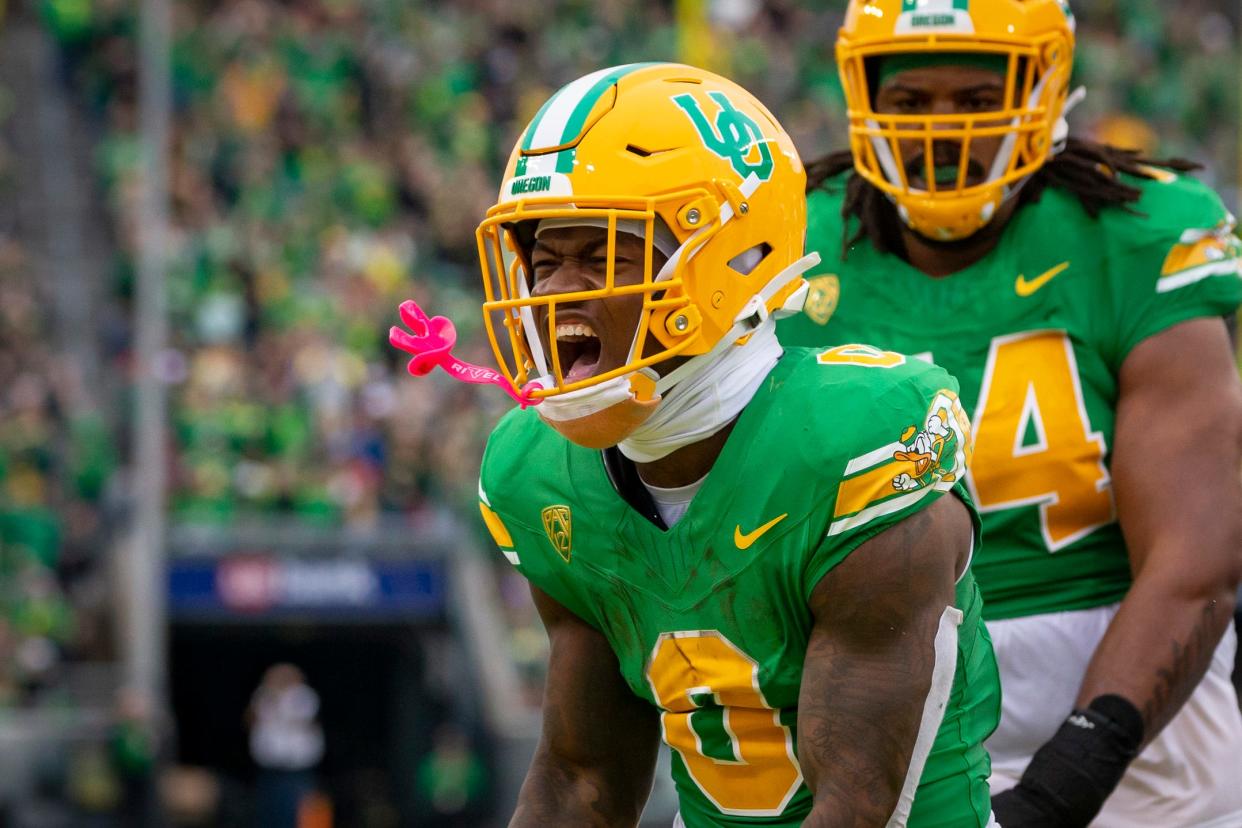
(681, 153)
(1034, 37)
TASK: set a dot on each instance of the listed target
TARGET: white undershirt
(673, 503)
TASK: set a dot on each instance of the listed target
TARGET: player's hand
(1022, 808)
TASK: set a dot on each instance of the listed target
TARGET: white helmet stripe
(557, 116)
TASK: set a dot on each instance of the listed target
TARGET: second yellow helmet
(1032, 41)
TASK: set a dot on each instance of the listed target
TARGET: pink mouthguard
(431, 340)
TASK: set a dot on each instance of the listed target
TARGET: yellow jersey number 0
(740, 755)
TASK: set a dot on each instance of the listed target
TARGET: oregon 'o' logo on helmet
(734, 136)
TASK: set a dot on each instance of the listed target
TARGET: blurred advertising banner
(261, 586)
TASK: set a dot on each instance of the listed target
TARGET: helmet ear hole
(745, 262)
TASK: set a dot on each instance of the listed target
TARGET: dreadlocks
(1087, 169)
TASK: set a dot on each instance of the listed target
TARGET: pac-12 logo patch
(734, 136)
(558, 524)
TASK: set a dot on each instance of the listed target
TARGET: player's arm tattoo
(1176, 454)
(597, 752)
(1181, 672)
(869, 663)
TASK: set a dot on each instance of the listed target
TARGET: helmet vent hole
(644, 153)
(749, 259)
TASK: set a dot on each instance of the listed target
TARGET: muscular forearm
(870, 664)
(857, 727)
(1151, 658)
(1182, 525)
(558, 792)
(857, 732)
(1159, 645)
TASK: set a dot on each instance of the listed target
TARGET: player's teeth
(574, 330)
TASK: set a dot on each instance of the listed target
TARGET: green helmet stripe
(562, 116)
(580, 112)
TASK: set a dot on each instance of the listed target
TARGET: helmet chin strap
(703, 404)
(532, 336)
(574, 405)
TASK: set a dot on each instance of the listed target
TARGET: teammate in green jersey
(1076, 293)
(745, 551)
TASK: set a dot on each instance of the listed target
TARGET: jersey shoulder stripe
(929, 456)
(1200, 253)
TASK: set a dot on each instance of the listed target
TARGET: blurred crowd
(56, 463)
(331, 158)
(1163, 78)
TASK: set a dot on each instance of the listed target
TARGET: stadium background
(312, 503)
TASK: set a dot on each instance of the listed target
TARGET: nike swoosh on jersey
(1024, 288)
(747, 539)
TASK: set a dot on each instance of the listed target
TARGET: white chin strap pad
(584, 402)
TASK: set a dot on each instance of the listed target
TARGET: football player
(1076, 291)
(711, 526)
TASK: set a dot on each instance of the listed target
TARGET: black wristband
(1122, 719)
(1076, 770)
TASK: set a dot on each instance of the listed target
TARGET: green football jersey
(709, 619)
(1036, 333)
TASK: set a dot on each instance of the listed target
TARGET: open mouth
(578, 348)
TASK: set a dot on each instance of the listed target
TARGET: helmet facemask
(519, 317)
(924, 162)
